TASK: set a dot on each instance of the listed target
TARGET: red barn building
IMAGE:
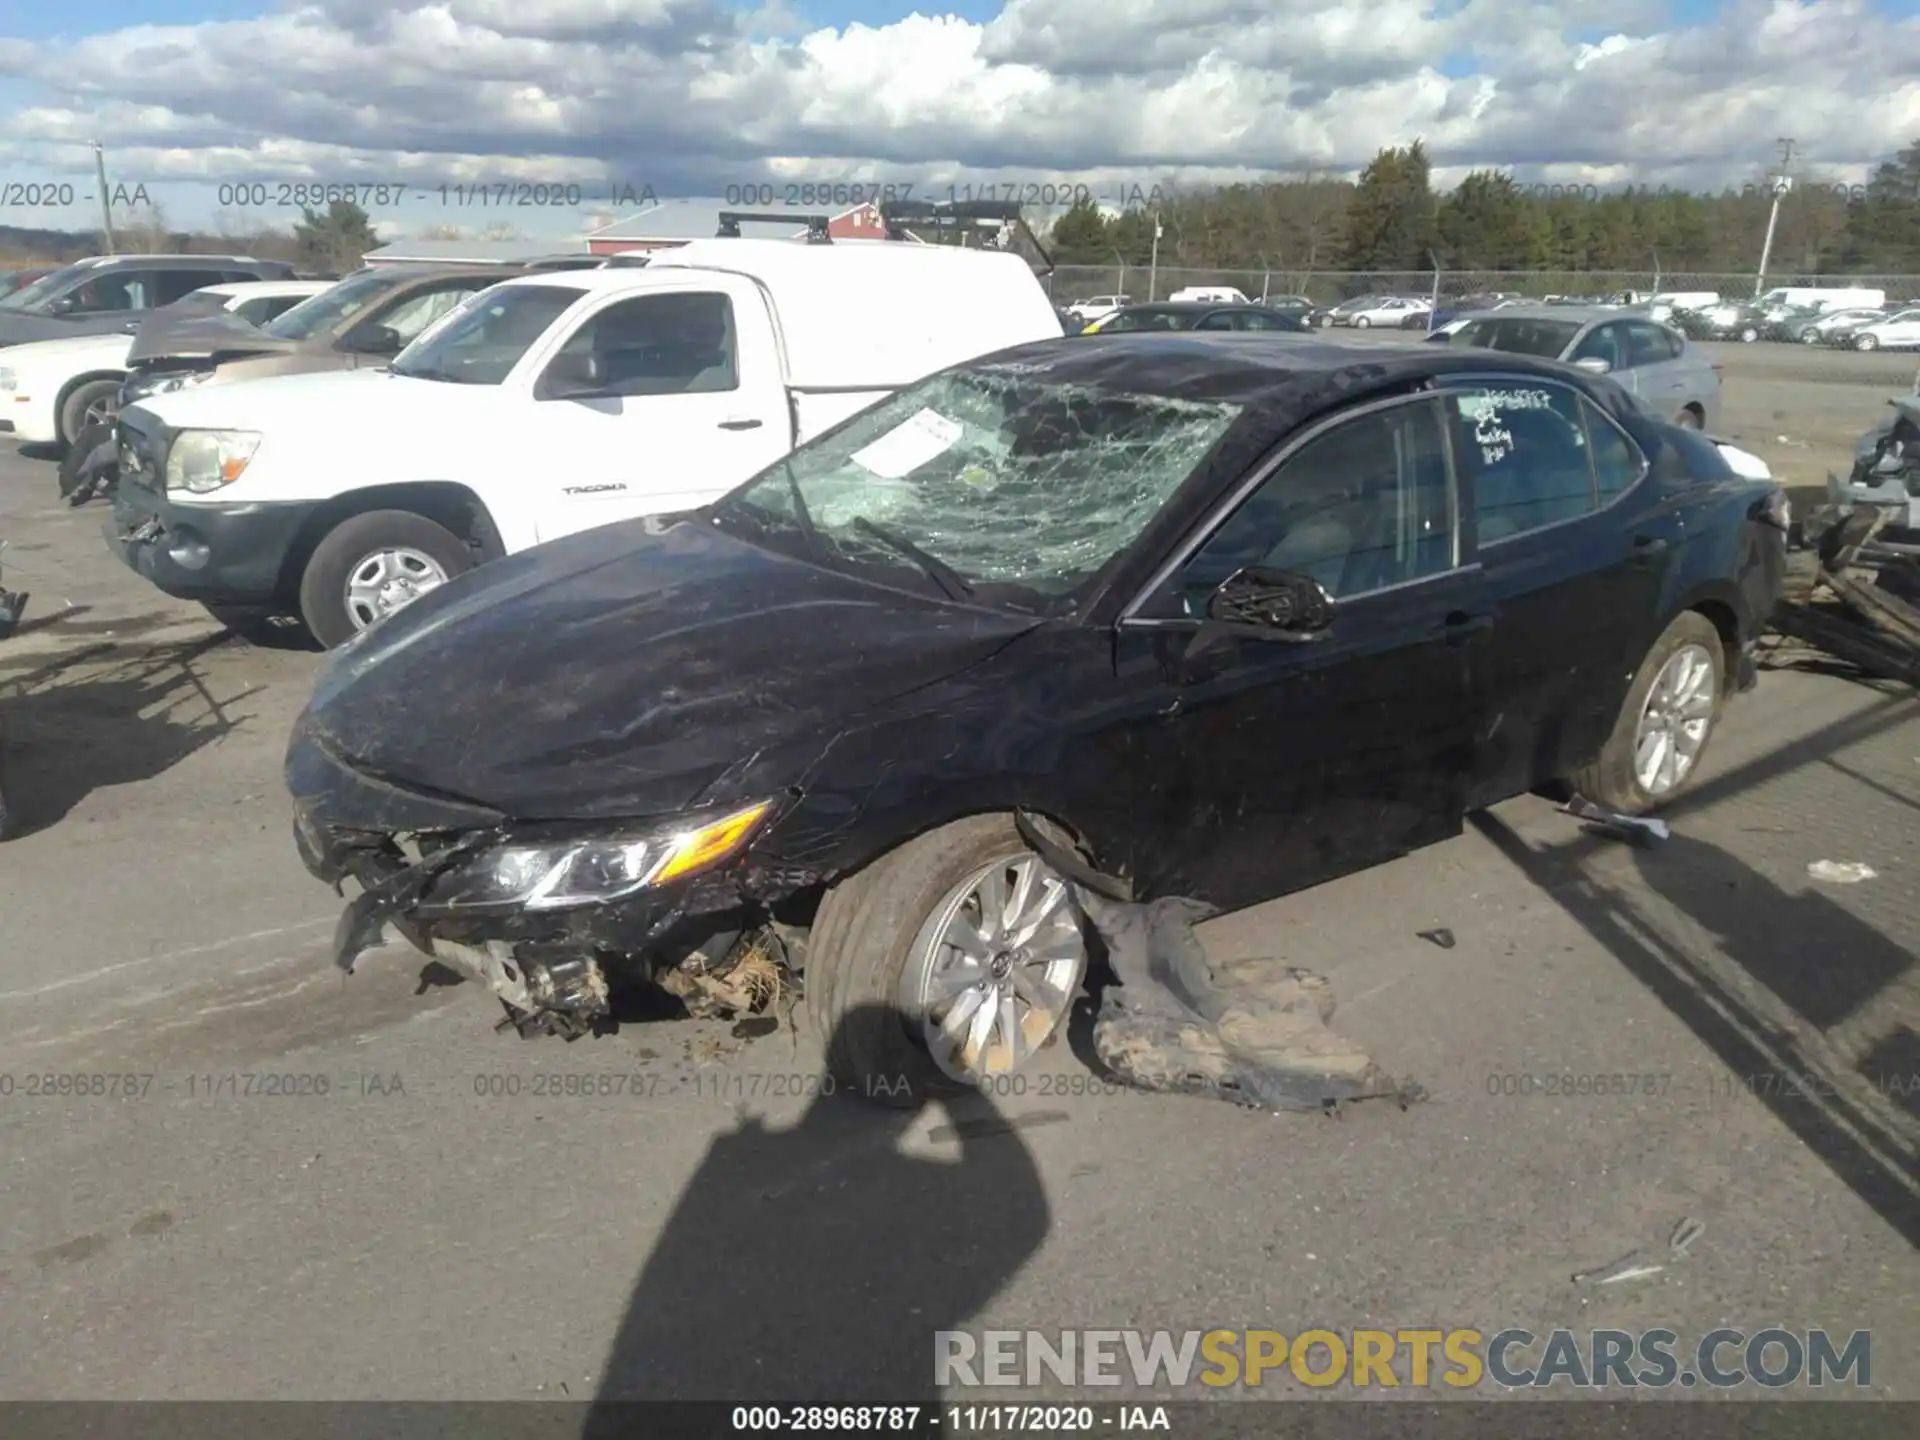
(675, 222)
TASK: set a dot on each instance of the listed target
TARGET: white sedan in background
(1896, 332)
(1392, 311)
(51, 390)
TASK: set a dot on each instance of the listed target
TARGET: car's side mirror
(574, 375)
(376, 340)
(63, 305)
(1285, 603)
(1594, 364)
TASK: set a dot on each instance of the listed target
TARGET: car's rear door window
(1617, 461)
(1525, 446)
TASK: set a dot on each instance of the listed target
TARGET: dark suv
(104, 293)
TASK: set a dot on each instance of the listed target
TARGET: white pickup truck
(543, 405)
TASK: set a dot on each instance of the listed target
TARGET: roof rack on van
(1001, 219)
(817, 232)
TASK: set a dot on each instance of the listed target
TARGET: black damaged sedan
(1219, 617)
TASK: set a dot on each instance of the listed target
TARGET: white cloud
(691, 95)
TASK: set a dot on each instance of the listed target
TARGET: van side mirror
(574, 375)
(1290, 605)
(1594, 364)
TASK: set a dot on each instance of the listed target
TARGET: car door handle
(741, 424)
(1648, 548)
(1461, 626)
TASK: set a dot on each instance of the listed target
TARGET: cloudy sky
(690, 97)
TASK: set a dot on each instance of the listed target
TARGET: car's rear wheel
(1748, 335)
(94, 403)
(371, 565)
(946, 964)
(1675, 700)
(1808, 337)
(1361, 322)
(1866, 342)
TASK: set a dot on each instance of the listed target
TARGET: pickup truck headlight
(204, 460)
(562, 873)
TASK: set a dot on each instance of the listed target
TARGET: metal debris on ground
(1253, 1032)
(1641, 830)
(1638, 1264)
(1841, 872)
(1854, 594)
(1442, 937)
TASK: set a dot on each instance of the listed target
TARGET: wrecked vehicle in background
(1886, 466)
(548, 404)
(1197, 612)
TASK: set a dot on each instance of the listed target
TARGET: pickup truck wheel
(946, 964)
(1654, 751)
(94, 403)
(371, 565)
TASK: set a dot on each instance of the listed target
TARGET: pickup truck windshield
(993, 480)
(480, 343)
(318, 314)
(33, 296)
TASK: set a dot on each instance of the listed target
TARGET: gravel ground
(431, 1227)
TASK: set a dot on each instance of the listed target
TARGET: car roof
(272, 288)
(1572, 314)
(1249, 368)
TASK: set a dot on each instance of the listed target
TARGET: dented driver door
(1271, 762)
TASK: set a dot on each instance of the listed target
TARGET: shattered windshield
(322, 313)
(977, 479)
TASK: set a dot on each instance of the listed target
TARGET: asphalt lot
(419, 1232)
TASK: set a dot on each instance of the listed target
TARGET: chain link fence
(1142, 283)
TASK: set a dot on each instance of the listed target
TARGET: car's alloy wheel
(993, 972)
(94, 403)
(1687, 420)
(1749, 335)
(1675, 719)
(387, 580)
(1360, 322)
(1865, 342)
(1808, 337)
(1665, 722)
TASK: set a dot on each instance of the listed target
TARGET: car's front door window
(123, 290)
(676, 344)
(1602, 343)
(1362, 506)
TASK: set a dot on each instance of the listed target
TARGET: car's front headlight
(558, 874)
(204, 460)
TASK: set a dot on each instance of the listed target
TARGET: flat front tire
(1653, 755)
(370, 565)
(945, 965)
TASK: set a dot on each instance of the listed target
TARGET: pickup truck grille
(142, 457)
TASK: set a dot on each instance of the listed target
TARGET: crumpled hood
(621, 671)
(199, 336)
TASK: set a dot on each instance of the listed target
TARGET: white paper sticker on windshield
(909, 445)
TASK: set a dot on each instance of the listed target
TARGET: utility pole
(106, 206)
(1153, 263)
(1780, 189)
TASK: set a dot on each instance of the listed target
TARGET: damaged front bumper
(557, 968)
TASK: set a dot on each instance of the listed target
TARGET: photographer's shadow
(815, 1263)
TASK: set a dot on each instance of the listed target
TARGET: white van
(543, 405)
(1790, 297)
(1208, 295)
